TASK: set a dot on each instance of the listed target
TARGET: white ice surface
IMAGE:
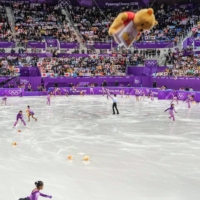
(137, 155)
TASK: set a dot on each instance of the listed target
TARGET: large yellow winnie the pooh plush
(143, 20)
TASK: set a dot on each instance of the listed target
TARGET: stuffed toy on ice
(128, 26)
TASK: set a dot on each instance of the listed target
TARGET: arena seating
(84, 66)
(173, 23)
(9, 66)
(184, 63)
(38, 22)
(92, 23)
(5, 28)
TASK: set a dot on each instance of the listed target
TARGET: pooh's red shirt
(131, 16)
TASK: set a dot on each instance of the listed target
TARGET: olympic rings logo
(50, 41)
(150, 63)
(138, 91)
(24, 81)
(23, 55)
(14, 92)
(191, 40)
(181, 96)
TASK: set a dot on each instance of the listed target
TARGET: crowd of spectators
(9, 63)
(7, 68)
(185, 63)
(37, 22)
(93, 23)
(40, 88)
(196, 31)
(94, 65)
(34, 21)
(171, 56)
(173, 22)
(5, 26)
(88, 66)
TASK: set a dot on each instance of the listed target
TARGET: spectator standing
(154, 84)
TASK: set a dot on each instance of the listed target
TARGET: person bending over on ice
(30, 113)
(19, 117)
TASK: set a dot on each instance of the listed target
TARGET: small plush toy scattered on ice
(14, 143)
(86, 158)
(70, 157)
(128, 26)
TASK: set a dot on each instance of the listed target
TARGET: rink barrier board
(160, 94)
(96, 45)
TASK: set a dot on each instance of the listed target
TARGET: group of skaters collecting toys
(29, 113)
(138, 96)
(171, 109)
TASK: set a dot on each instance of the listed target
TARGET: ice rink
(137, 155)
